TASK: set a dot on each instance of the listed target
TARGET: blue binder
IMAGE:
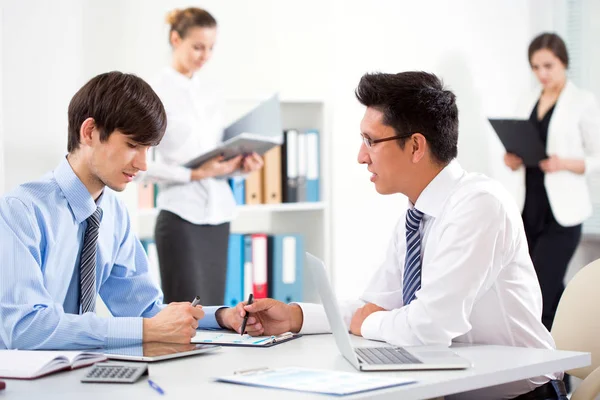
(312, 172)
(234, 286)
(286, 267)
(238, 187)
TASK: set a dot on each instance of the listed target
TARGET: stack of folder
(265, 265)
(290, 175)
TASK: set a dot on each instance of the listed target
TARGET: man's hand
(176, 323)
(360, 315)
(267, 317)
(551, 164)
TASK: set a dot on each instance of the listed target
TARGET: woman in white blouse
(196, 206)
(554, 196)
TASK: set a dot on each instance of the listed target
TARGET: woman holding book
(196, 205)
(555, 196)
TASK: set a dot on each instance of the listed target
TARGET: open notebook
(25, 364)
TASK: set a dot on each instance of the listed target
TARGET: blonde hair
(182, 20)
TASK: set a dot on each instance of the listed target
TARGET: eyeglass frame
(370, 142)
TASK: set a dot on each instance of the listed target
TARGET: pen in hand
(196, 301)
(250, 299)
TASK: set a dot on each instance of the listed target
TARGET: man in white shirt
(467, 275)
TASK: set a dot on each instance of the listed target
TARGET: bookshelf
(311, 219)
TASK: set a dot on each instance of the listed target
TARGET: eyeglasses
(370, 142)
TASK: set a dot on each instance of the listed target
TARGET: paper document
(314, 380)
(235, 339)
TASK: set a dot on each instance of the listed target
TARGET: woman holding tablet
(555, 196)
(196, 207)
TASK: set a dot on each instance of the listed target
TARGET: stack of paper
(314, 380)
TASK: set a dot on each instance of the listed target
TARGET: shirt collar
(179, 78)
(79, 198)
(434, 195)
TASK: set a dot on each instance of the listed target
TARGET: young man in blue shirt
(67, 237)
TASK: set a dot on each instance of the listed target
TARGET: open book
(26, 364)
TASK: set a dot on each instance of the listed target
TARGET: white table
(191, 377)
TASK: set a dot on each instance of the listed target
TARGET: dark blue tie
(412, 265)
(87, 264)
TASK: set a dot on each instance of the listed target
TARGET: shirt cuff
(371, 326)
(124, 331)
(314, 319)
(210, 319)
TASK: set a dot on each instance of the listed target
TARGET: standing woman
(555, 195)
(196, 206)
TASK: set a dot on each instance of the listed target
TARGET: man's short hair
(118, 101)
(415, 102)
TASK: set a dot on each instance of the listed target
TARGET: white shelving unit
(309, 219)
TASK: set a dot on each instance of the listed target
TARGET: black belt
(552, 390)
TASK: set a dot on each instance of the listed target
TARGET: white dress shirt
(478, 284)
(195, 114)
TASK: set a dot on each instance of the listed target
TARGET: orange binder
(272, 176)
(254, 189)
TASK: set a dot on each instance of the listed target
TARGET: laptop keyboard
(386, 355)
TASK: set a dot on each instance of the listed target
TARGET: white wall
(307, 50)
(42, 69)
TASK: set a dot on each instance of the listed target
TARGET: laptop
(376, 358)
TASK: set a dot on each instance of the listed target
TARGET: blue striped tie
(412, 266)
(87, 264)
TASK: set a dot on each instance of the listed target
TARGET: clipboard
(520, 137)
(236, 340)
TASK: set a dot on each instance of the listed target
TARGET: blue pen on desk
(155, 387)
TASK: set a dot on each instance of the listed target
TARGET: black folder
(520, 137)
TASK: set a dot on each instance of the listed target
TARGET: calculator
(115, 372)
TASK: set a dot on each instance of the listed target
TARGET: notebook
(313, 380)
(235, 339)
(25, 364)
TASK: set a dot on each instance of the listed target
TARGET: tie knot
(413, 219)
(94, 219)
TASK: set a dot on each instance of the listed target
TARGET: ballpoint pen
(250, 299)
(155, 387)
(196, 301)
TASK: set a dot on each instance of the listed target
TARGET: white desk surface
(191, 377)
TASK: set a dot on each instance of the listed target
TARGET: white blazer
(574, 132)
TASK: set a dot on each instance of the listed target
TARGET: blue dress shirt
(42, 224)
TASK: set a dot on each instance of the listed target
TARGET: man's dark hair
(414, 102)
(118, 101)
(552, 42)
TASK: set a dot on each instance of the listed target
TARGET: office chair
(576, 327)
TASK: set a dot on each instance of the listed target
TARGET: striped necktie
(412, 265)
(87, 264)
